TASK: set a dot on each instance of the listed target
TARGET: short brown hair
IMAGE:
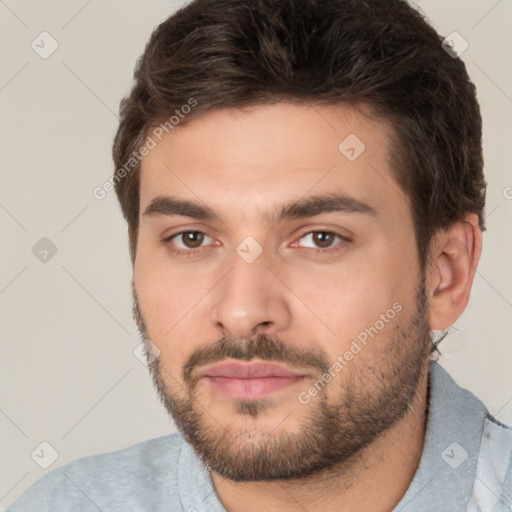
(383, 53)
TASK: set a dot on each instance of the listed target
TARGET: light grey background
(68, 374)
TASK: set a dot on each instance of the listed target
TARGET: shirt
(466, 465)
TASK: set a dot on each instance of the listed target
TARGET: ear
(454, 256)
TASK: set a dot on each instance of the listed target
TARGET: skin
(244, 165)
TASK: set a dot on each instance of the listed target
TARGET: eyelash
(193, 252)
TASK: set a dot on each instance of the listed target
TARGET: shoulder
(139, 475)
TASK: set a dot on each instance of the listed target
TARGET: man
(303, 186)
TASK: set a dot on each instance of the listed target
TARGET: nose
(250, 300)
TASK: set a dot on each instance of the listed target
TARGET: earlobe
(454, 256)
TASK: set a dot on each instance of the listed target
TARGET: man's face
(331, 293)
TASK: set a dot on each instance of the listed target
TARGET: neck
(376, 478)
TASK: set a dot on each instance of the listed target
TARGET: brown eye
(192, 239)
(189, 243)
(323, 239)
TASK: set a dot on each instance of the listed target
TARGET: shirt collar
(446, 472)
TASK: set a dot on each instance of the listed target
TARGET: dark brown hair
(381, 53)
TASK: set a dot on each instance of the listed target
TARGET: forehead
(256, 159)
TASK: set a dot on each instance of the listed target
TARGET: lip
(249, 380)
(248, 370)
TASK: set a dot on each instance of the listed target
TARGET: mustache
(261, 346)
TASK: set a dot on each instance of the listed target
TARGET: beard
(363, 401)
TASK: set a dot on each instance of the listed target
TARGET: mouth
(251, 379)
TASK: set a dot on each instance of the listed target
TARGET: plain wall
(68, 374)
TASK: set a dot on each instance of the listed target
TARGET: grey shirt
(466, 465)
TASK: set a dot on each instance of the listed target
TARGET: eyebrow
(302, 208)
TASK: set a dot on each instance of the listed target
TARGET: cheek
(339, 291)
(346, 307)
(162, 310)
(343, 302)
(170, 299)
